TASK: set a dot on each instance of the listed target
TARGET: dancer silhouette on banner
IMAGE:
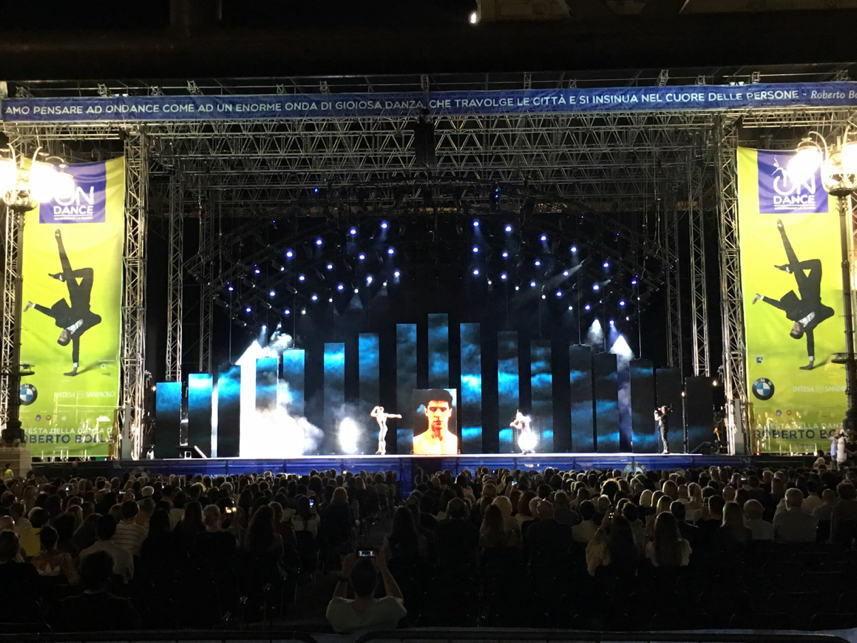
(381, 418)
(805, 311)
(74, 317)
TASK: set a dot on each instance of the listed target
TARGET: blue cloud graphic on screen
(334, 359)
(579, 376)
(368, 354)
(470, 353)
(605, 406)
(507, 385)
(471, 386)
(542, 382)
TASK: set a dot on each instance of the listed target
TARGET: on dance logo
(779, 193)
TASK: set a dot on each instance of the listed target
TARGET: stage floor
(405, 466)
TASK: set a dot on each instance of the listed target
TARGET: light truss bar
(698, 284)
(9, 339)
(175, 279)
(731, 297)
(133, 302)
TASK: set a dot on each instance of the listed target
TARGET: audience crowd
(714, 547)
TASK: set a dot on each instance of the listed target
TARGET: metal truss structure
(678, 168)
(13, 229)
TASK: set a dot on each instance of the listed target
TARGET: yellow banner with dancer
(72, 296)
(792, 285)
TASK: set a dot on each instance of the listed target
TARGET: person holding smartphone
(365, 613)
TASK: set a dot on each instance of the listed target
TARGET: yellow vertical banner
(71, 314)
(792, 284)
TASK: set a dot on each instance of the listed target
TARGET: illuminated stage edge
(405, 466)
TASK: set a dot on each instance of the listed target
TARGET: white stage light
(349, 432)
(621, 349)
(595, 334)
(473, 18)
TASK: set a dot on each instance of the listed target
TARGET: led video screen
(434, 419)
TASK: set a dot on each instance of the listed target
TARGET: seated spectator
(51, 562)
(668, 548)
(305, 518)
(365, 613)
(689, 532)
(612, 546)
(96, 609)
(21, 598)
(493, 533)
(792, 525)
(562, 511)
(129, 533)
(843, 518)
(457, 537)
(813, 499)
(336, 527)
(405, 543)
(504, 504)
(759, 529)
(123, 562)
(546, 541)
(584, 531)
(30, 542)
(732, 536)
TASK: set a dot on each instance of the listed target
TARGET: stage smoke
(595, 335)
(349, 434)
(622, 350)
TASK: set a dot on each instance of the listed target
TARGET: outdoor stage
(406, 466)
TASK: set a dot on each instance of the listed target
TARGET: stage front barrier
(228, 412)
(199, 390)
(168, 414)
(470, 409)
(508, 387)
(644, 438)
(406, 382)
(668, 393)
(699, 413)
(541, 387)
(581, 395)
(606, 403)
(369, 389)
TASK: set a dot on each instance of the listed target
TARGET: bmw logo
(763, 388)
(28, 394)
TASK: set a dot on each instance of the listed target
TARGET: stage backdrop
(790, 268)
(72, 274)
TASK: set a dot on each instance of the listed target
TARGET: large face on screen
(438, 413)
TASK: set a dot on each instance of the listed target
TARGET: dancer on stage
(662, 417)
(526, 437)
(381, 419)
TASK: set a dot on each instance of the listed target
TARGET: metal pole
(850, 366)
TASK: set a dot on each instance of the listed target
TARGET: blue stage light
(543, 238)
(475, 223)
(621, 303)
(384, 225)
(573, 250)
(319, 241)
(397, 274)
(559, 293)
(532, 284)
(596, 287)
(565, 273)
(290, 253)
(301, 277)
(362, 256)
(369, 280)
(315, 190)
(340, 287)
(633, 282)
(256, 271)
(505, 254)
(330, 266)
(476, 272)
(353, 231)
(287, 312)
(230, 289)
(314, 297)
(587, 308)
(508, 228)
(272, 293)
(248, 310)
(612, 323)
(605, 265)
(537, 263)
(475, 249)
(391, 251)
(503, 276)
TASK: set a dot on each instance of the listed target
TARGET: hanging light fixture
(23, 185)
